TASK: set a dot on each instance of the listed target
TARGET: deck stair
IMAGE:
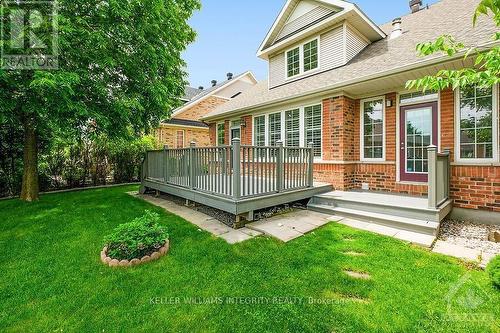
(395, 211)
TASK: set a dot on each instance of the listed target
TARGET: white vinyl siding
(312, 117)
(302, 21)
(259, 128)
(477, 124)
(354, 43)
(331, 54)
(292, 128)
(332, 49)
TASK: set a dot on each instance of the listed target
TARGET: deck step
(404, 223)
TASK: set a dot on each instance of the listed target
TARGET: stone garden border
(134, 262)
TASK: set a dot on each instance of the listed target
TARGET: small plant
(136, 239)
(493, 270)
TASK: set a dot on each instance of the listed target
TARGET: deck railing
(236, 171)
(439, 176)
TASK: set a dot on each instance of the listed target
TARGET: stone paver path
(462, 252)
(289, 226)
(202, 221)
(358, 275)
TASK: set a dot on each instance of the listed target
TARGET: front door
(418, 130)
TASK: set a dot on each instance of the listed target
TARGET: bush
(493, 270)
(141, 237)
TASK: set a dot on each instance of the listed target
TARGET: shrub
(493, 270)
(136, 239)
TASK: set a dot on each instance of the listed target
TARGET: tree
(120, 68)
(486, 70)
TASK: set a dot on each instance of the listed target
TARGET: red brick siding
(448, 121)
(246, 132)
(213, 134)
(338, 129)
(390, 128)
(227, 129)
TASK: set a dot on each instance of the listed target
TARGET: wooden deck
(236, 179)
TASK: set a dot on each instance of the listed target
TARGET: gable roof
(379, 59)
(338, 12)
(204, 94)
(190, 93)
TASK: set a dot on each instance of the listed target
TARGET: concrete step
(404, 235)
(403, 223)
(382, 204)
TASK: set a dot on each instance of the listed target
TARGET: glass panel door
(418, 126)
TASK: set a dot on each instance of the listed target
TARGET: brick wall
(201, 109)
(246, 132)
(213, 134)
(167, 135)
(476, 187)
(338, 129)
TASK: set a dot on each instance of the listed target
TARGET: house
(185, 125)
(337, 80)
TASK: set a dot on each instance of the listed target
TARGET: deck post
(192, 164)
(432, 176)
(447, 151)
(236, 168)
(165, 165)
(279, 167)
(310, 173)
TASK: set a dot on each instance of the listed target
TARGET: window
(477, 138)
(180, 139)
(221, 134)
(311, 55)
(292, 128)
(293, 62)
(259, 129)
(303, 58)
(373, 129)
(274, 128)
(312, 120)
(235, 129)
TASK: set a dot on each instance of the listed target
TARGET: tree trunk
(29, 191)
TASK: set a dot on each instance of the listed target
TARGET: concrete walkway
(202, 221)
(289, 226)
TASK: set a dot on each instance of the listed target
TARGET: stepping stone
(456, 251)
(358, 275)
(354, 253)
(235, 236)
(348, 239)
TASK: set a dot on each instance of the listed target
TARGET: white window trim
(183, 138)
(496, 153)
(301, 59)
(231, 128)
(302, 138)
(362, 130)
(217, 133)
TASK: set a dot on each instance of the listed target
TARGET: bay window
(477, 124)
(292, 128)
(295, 127)
(312, 117)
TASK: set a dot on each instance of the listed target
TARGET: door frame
(401, 170)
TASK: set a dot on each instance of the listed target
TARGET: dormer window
(293, 62)
(311, 55)
(302, 59)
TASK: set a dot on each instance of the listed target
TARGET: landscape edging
(136, 261)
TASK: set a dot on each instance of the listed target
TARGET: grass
(52, 279)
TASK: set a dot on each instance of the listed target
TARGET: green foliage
(486, 70)
(120, 68)
(138, 238)
(493, 270)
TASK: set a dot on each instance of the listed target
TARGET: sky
(230, 32)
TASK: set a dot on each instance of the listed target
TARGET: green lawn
(52, 279)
